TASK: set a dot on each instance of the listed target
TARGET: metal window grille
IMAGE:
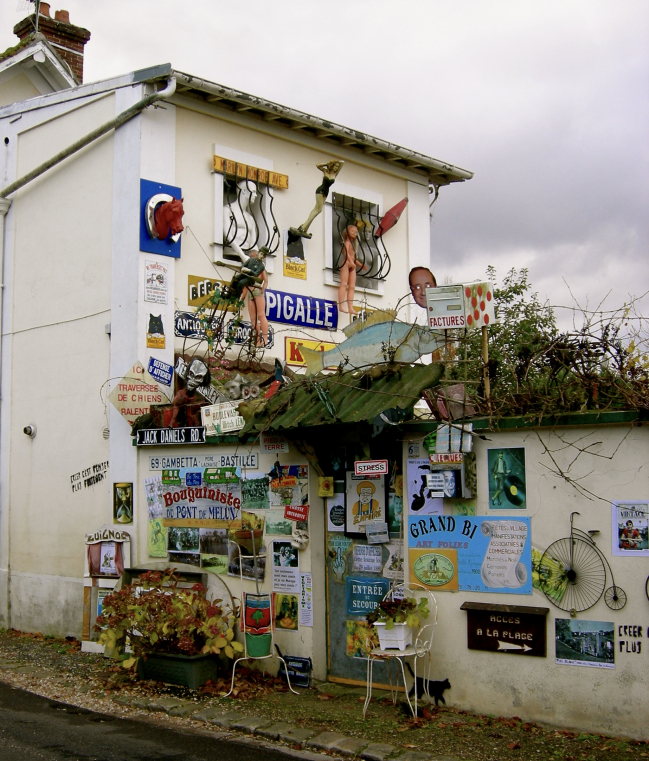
(261, 226)
(370, 250)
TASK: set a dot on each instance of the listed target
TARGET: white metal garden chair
(272, 650)
(420, 649)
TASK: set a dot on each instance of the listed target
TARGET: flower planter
(258, 645)
(397, 638)
(188, 670)
(244, 539)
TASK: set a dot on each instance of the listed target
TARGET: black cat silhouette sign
(155, 335)
(509, 629)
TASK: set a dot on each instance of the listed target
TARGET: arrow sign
(512, 646)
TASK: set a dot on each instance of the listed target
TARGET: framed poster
(507, 479)
(423, 499)
(631, 529)
(122, 503)
(365, 502)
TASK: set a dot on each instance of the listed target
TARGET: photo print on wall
(122, 503)
(585, 643)
(631, 529)
(507, 478)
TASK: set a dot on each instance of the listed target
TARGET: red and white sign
(272, 443)
(297, 513)
(460, 306)
(371, 467)
(447, 457)
(135, 393)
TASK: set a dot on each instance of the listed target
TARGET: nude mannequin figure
(348, 270)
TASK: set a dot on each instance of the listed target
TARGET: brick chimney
(68, 40)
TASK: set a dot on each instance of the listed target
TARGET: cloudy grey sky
(546, 102)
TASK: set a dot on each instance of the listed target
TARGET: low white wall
(52, 605)
(609, 701)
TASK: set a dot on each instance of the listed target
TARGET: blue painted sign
(488, 554)
(305, 311)
(161, 371)
(151, 245)
(363, 595)
(187, 325)
(193, 478)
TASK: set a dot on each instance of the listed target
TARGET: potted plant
(394, 620)
(252, 530)
(174, 633)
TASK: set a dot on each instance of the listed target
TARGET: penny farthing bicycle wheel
(572, 574)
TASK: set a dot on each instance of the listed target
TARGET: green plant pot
(258, 645)
(188, 670)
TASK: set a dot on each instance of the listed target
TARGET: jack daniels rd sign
(510, 629)
(157, 436)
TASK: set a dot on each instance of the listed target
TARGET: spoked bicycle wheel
(615, 597)
(572, 574)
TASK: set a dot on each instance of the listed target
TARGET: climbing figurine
(329, 171)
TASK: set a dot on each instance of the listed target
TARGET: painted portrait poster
(286, 611)
(507, 478)
(493, 554)
(122, 503)
(585, 643)
(631, 529)
(291, 488)
(418, 493)
(364, 503)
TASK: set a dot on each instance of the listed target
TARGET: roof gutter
(122, 118)
(277, 111)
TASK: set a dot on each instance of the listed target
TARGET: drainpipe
(5, 204)
(91, 136)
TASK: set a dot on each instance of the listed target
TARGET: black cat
(435, 689)
(156, 328)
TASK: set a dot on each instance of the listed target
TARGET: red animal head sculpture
(168, 218)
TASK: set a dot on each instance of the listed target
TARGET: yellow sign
(245, 172)
(436, 568)
(199, 289)
(155, 341)
(294, 268)
(294, 355)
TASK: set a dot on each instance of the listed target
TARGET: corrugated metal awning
(349, 397)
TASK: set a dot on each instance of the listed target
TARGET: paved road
(33, 728)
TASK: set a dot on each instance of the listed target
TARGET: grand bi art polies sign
(475, 554)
